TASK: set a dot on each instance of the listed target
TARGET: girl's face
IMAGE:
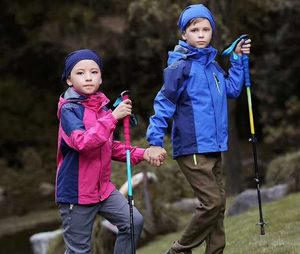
(198, 34)
(85, 77)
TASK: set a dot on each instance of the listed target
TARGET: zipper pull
(195, 159)
(217, 82)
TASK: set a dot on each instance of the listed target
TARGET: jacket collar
(185, 51)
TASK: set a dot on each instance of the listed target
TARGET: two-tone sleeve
(165, 102)
(75, 133)
(235, 79)
(119, 153)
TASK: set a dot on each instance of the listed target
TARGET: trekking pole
(126, 123)
(253, 140)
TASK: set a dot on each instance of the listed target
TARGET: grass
(243, 235)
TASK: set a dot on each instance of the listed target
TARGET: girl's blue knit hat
(195, 11)
(74, 57)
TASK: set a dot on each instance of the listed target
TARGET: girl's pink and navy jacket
(86, 148)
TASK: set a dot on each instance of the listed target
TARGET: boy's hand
(243, 47)
(155, 155)
(123, 109)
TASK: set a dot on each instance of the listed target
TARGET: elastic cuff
(114, 120)
(140, 152)
(235, 58)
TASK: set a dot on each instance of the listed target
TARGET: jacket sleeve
(235, 79)
(77, 136)
(119, 153)
(165, 102)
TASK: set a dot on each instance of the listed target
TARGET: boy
(194, 95)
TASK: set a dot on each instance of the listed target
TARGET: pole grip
(126, 122)
(245, 60)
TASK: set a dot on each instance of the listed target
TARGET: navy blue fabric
(72, 117)
(194, 96)
(67, 179)
(74, 57)
(195, 11)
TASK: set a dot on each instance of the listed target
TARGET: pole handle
(126, 122)
(245, 60)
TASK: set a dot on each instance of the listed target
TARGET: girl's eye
(194, 30)
(79, 73)
(94, 72)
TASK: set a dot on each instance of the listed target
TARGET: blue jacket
(194, 96)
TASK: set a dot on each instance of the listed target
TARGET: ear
(68, 81)
(183, 36)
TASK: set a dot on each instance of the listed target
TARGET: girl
(85, 150)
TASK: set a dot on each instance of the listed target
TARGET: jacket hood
(185, 51)
(94, 102)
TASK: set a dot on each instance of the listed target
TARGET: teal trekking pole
(126, 124)
(253, 140)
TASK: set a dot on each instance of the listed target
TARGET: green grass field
(243, 235)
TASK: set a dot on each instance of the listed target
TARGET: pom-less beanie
(195, 11)
(74, 57)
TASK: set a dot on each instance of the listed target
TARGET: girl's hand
(243, 47)
(123, 109)
(155, 155)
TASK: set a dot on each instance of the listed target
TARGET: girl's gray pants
(78, 220)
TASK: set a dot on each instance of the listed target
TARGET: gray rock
(46, 189)
(248, 198)
(2, 194)
(184, 205)
(40, 241)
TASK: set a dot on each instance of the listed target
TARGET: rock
(40, 241)
(248, 198)
(46, 189)
(184, 205)
(2, 194)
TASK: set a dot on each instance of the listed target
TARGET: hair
(192, 22)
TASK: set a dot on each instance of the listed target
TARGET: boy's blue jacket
(194, 96)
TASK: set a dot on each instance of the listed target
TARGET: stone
(40, 241)
(248, 198)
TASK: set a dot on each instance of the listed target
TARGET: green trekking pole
(253, 139)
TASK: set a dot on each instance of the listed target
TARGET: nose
(88, 76)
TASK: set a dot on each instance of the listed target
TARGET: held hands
(155, 155)
(123, 109)
(243, 47)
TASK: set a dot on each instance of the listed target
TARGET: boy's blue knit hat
(195, 11)
(74, 57)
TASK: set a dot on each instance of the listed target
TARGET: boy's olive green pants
(205, 175)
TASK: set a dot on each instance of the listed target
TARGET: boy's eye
(194, 30)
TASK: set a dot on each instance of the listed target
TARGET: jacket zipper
(217, 83)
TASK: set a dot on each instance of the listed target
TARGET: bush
(285, 169)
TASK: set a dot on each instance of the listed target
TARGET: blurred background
(134, 37)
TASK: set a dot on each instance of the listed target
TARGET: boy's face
(85, 77)
(198, 34)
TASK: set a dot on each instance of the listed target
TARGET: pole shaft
(250, 110)
(257, 182)
(128, 164)
(126, 124)
(253, 140)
